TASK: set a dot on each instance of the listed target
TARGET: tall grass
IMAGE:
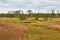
(10, 31)
(35, 30)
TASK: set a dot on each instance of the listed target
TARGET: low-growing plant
(12, 32)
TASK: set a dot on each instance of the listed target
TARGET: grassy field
(37, 30)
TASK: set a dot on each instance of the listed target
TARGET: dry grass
(12, 32)
(11, 29)
(10, 20)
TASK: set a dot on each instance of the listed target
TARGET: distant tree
(17, 13)
(21, 15)
(53, 15)
(22, 11)
(57, 11)
(30, 13)
(8, 14)
(37, 16)
(57, 15)
(52, 11)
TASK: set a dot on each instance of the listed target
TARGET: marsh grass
(36, 29)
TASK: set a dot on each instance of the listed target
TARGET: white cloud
(30, 4)
(3, 4)
(7, 9)
(16, 1)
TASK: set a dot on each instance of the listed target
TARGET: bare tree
(58, 11)
(53, 15)
(22, 11)
(17, 13)
(52, 11)
(29, 11)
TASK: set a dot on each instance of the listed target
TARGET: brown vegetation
(52, 24)
(12, 32)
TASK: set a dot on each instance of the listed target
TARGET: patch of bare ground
(12, 32)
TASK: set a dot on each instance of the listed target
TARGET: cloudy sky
(35, 5)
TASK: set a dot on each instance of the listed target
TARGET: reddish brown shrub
(12, 32)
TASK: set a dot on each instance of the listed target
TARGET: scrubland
(16, 29)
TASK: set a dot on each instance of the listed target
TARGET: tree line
(20, 14)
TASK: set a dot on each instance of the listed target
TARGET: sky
(35, 5)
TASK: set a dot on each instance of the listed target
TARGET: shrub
(12, 32)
